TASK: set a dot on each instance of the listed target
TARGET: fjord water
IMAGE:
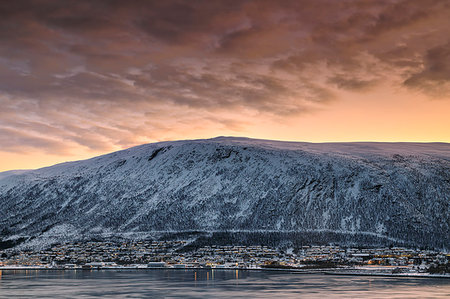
(211, 284)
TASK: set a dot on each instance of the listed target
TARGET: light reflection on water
(212, 284)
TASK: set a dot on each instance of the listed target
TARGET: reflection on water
(211, 284)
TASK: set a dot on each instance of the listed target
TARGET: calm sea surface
(211, 284)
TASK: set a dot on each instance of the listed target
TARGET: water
(211, 284)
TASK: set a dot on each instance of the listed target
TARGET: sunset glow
(84, 78)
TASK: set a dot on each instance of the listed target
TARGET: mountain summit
(360, 193)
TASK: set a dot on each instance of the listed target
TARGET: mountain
(360, 193)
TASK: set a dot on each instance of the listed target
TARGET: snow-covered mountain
(366, 192)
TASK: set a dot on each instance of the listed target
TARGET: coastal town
(178, 255)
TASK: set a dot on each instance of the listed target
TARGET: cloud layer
(110, 74)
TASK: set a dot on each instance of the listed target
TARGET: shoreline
(296, 271)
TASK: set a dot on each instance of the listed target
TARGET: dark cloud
(94, 72)
(350, 83)
(434, 77)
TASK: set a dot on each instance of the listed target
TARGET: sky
(84, 78)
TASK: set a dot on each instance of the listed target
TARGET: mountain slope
(392, 191)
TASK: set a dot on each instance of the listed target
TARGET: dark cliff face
(393, 192)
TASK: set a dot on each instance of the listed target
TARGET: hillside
(362, 193)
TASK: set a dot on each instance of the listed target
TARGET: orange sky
(405, 119)
(87, 78)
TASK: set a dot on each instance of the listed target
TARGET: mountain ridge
(243, 139)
